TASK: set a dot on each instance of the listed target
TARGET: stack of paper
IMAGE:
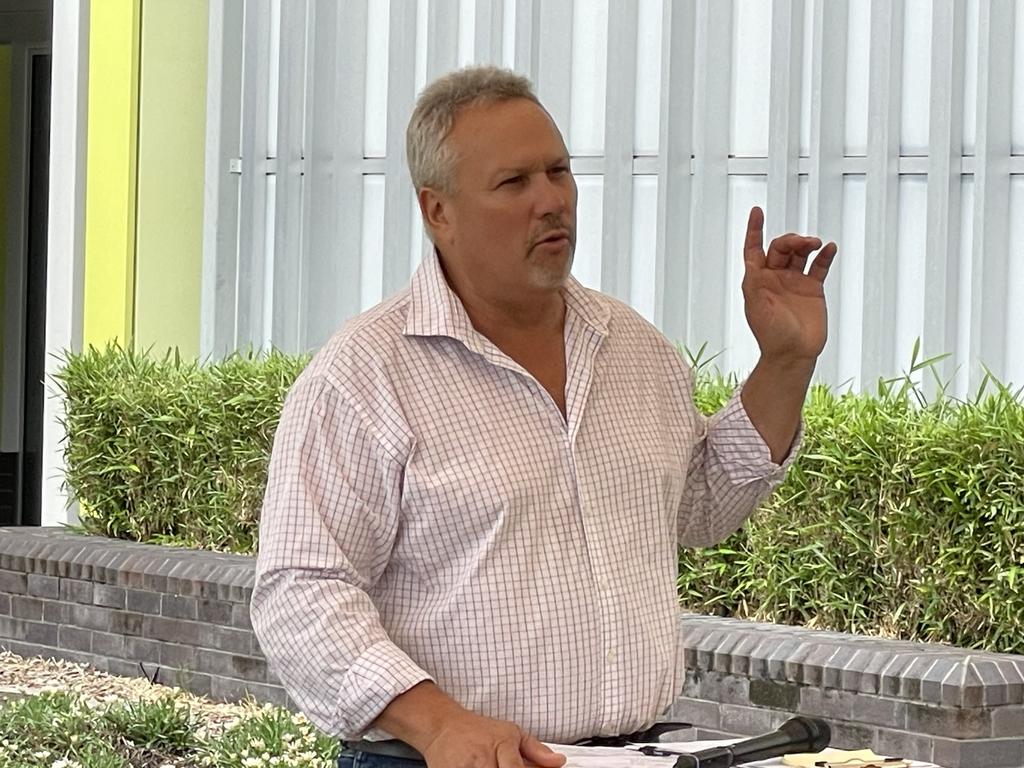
(629, 757)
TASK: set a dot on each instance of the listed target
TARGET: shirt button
(610, 656)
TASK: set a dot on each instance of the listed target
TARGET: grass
(67, 730)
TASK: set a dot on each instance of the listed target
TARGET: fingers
(822, 262)
(753, 243)
(791, 251)
(540, 754)
(507, 755)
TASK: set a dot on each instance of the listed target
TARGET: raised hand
(785, 308)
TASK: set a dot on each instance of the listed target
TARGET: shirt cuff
(379, 674)
(757, 465)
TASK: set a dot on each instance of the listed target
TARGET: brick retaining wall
(178, 615)
(930, 702)
(183, 617)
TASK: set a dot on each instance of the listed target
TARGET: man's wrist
(418, 715)
(795, 366)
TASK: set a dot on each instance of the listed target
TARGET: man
(478, 487)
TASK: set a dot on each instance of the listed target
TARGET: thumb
(539, 753)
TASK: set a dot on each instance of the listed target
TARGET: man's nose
(552, 196)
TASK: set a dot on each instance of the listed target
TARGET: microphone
(798, 734)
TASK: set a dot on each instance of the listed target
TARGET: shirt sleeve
(730, 473)
(329, 520)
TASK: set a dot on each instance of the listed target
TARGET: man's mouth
(555, 237)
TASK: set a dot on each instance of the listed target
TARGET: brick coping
(68, 554)
(929, 673)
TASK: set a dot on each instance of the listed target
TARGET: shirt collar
(435, 310)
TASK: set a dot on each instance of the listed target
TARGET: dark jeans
(350, 759)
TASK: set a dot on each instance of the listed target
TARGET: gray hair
(431, 158)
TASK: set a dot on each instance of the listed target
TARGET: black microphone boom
(798, 734)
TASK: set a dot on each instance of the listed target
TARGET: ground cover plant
(67, 729)
(903, 515)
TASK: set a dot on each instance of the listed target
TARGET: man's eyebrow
(514, 170)
(521, 169)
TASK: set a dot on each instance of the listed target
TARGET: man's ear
(434, 208)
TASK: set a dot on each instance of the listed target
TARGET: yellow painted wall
(171, 170)
(111, 171)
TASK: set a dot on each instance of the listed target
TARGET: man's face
(509, 229)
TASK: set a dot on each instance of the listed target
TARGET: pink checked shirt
(430, 515)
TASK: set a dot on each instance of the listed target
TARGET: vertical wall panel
(675, 186)
(488, 32)
(911, 240)
(825, 178)
(287, 295)
(252, 213)
(942, 247)
(849, 341)
(526, 37)
(989, 270)
(397, 191)
(220, 206)
(376, 102)
(587, 260)
(442, 37)
(1017, 131)
(645, 228)
(858, 31)
(553, 47)
(707, 294)
(784, 116)
(334, 207)
(738, 345)
(617, 229)
(882, 199)
(591, 43)
(970, 76)
(750, 40)
(372, 241)
(1015, 284)
(648, 71)
(963, 372)
(915, 91)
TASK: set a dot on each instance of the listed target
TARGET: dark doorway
(21, 472)
(35, 292)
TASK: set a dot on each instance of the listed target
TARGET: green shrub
(902, 516)
(169, 451)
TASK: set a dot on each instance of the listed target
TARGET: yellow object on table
(842, 758)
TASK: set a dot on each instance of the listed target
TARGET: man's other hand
(450, 736)
(469, 740)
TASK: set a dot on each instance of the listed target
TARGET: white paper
(628, 757)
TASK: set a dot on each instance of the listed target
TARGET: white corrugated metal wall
(895, 127)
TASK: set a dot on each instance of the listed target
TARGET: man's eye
(511, 180)
(558, 170)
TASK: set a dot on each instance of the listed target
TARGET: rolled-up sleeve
(730, 473)
(330, 517)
